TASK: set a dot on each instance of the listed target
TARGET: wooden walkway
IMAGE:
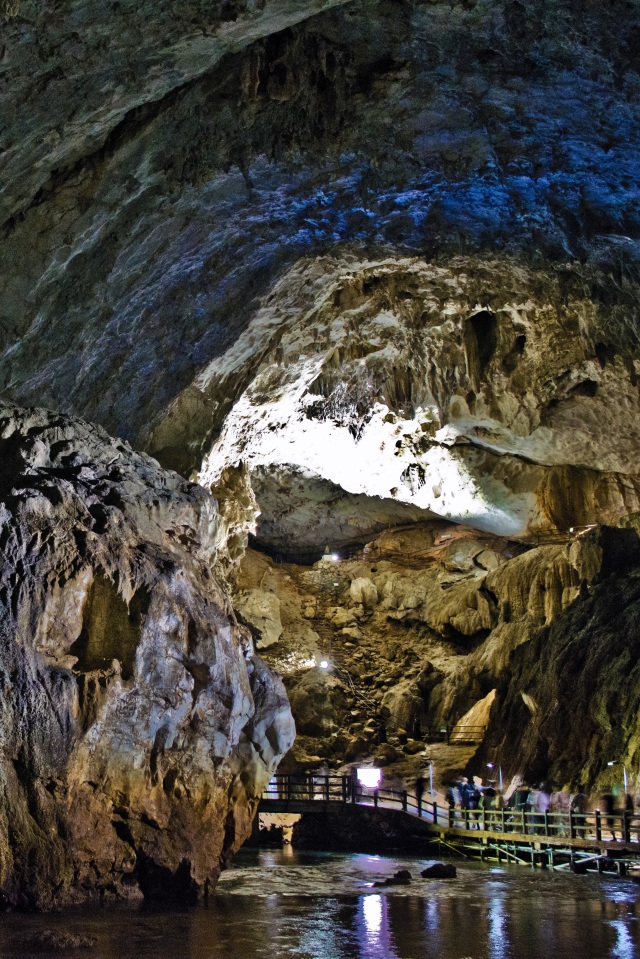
(553, 840)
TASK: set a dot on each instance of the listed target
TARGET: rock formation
(535, 644)
(407, 391)
(368, 272)
(137, 727)
(162, 167)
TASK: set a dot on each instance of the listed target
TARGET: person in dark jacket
(579, 805)
(608, 803)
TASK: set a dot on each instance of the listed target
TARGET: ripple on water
(287, 905)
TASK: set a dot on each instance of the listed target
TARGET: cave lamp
(369, 777)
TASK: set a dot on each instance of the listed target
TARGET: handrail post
(326, 788)
(419, 802)
(598, 826)
(354, 794)
(546, 823)
(626, 825)
(524, 823)
(435, 813)
(404, 800)
(375, 798)
(572, 823)
(484, 819)
(345, 788)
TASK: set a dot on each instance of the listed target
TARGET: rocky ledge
(137, 728)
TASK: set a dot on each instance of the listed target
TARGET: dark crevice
(110, 629)
(480, 339)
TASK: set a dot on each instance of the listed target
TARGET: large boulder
(137, 728)
(319, 702)
(261, 610)
(439, 870)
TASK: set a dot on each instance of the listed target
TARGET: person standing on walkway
(579, 805)
(561, 808)
(539, 802)
(530, 806)
(543, 804)
(467, 799)
(608, 803)
(488, 803)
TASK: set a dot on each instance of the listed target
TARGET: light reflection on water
(498, 937)
(289, 905)
(375, 937)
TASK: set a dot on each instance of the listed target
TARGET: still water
(289, 905)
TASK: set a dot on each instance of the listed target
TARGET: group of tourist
(546, 806)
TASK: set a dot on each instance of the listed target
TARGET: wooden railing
(461, 734)
(593, 826)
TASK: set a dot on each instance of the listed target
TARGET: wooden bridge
(593, 840)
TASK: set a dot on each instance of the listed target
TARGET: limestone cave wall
(162, 167)
(137, 727)
(367, 272)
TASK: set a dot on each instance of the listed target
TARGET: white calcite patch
(395, 393)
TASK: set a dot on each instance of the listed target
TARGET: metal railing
(594, 826)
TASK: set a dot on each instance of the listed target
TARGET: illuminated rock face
(137, 727)
(163, 165)
(571, 700)
(479, 393)
(460, 629)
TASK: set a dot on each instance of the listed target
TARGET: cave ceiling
(204, 201)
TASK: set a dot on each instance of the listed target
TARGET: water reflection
(498, 940)
(624, 947)
(375, 937)
(320, 906)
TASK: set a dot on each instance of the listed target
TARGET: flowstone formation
(481, 392)
(137, 727)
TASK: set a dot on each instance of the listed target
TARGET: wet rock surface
(400, 878)
(439, 870)
(137, 726)
(55, 939)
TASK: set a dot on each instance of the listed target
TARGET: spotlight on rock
(324, 664)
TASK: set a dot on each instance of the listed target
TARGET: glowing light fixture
(324, 664)
(369, 777)
(492, 766)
